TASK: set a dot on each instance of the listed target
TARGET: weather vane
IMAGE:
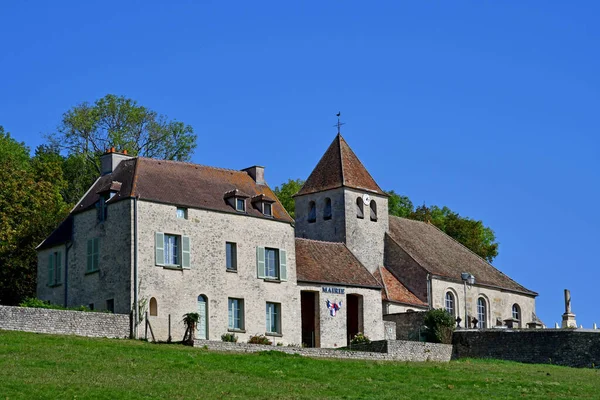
(339, 124)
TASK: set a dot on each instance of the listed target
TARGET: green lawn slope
(36, 366)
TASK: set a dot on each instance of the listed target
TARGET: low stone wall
(389, 350)
(407, 324)
(569, 347)
(64, 322)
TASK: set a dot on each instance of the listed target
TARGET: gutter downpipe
(136, 309)
(429, 300)
(67, 247)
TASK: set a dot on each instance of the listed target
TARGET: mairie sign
(335, 290)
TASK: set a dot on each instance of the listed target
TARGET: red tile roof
(183, 184)
(443, 256)
(339, 167)
(394, 290)
(330, 262)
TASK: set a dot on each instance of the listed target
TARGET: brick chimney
(257, 173)
(111, 159)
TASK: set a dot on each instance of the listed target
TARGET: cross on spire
(339, 124)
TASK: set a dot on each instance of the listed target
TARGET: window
(181, 213)
(327, 209)
(273, 318)
(54, 268)
(267, 209)
(516, 312)
(172, 250)
(373, 210)
(236, 314)
(102, 209)
(240, 205)
(231, 256)
(110, 305)
(359, 208)
(481, 313)
(450, 303)
(312, 212)
(153, 307)
(271, 263)
(93, 254)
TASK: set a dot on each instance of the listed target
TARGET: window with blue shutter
(159, 248)
(185, 252)
(260, 262)
(93, 254)
(282, 265)
(51, 269)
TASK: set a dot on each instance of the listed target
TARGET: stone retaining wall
(64, 322)
(389, 350)
(407, 324)
(569, 347)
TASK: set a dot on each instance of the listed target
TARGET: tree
(88, 130)
(285, 193)
(398, 205)
(31, 206)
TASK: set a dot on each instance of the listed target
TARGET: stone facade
(332, 329)
(64, 322)
(328, 230)
(499, 302)
(112, 280)
(176, 290)
(385, 350)
(408, 325)
(569, 347)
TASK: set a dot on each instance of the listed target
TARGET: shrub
(440, 325)
(37, 303)
(360, 338)
(259, 339)
(229, 337)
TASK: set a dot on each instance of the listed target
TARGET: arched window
(153, 307)
(312, 212)
(373, 210)
(481, 313)
(516, 312)
(359, 208)
(327, 209)
(450, 303)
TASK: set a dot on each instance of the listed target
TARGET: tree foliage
(285, 192)
(440, 325)
(31, 206)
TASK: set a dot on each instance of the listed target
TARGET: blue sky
(490, 108)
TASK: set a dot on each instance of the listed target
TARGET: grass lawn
(36, 366)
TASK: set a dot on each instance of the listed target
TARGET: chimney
(111, 159)
(257, 173)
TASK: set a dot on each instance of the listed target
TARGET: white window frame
(238, 201)
(268, 206)
(273, 318)
(235, 312)
(272, 273)
(482, 313)
(231, 262)
(452, 300)
(163, 251)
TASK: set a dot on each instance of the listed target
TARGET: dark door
(308, 307)
(353, 320)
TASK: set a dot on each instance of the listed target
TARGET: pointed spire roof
(339, 167)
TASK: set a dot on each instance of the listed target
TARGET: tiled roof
(394, 290)
(339, 167)
(60, 235)
(182, 184)
(441, 255)
(329, 262)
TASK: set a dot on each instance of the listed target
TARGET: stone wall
(390, 330)
(392, 350)
(64, 322)
(407, 324)
(575, 348)
(329, 230)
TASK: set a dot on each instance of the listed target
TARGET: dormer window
(182, 213)
(264, 204)
(267, 209)
(240, 204)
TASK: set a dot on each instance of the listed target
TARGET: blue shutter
(260, 262)
(282, 265)
(96, 253)
(185, 252)
(159, 248)
(58, 268)
(90, 251)
(51, 269)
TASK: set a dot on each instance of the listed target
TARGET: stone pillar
(568, 318)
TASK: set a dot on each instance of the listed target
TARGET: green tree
(285, 192)
(88, 130)
(399, 205)
(31, 206)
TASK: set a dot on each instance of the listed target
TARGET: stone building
(168, 238)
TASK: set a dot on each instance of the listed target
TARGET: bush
(259, 339)
(360, 338)
(37, 303)
(229, 337)
(440, 325)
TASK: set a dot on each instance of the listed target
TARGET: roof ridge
(387, 294)
(339, 140)
(363, 167)
(319, 241)
(195, 165)
(481, 258)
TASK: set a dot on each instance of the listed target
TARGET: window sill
(236, 330)
(92, 272)
(174, 267)
(274, 334)
(272, 280)
(54, 285)
(231, 270)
